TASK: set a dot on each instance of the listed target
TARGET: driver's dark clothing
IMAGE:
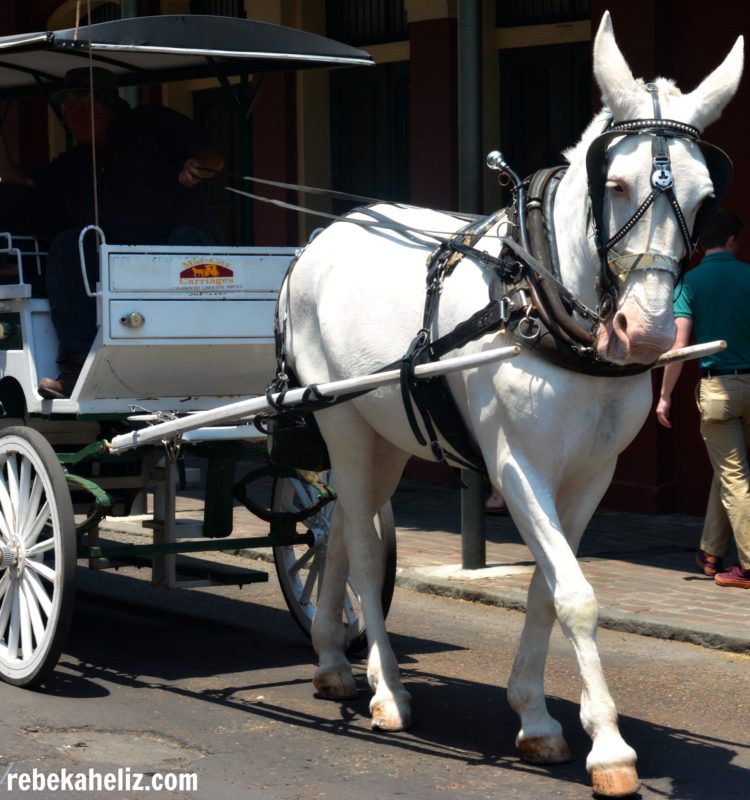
(140, 202)
(140, 199)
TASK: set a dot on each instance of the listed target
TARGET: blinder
(720, 169)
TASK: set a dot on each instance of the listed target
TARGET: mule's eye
(615, 186)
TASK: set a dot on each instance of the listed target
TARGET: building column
(433, 103)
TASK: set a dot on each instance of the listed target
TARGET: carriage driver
(714, 302)
(151, 163)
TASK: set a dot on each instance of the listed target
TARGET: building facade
(392, 130)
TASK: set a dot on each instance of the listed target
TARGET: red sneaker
(708, 564)
(736, 576)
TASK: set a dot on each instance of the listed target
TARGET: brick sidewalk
(641, 567)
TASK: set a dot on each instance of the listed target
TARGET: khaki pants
(724, 405)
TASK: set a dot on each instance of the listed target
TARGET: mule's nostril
(620, 326)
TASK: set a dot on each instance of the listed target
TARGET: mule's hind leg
(365, 473)
(390, 705)
(333, 679)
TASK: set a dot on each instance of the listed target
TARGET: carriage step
(197, 569)
(224, 574)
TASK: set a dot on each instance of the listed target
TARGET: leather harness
(527, 297)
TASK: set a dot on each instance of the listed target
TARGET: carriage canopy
(143, 50)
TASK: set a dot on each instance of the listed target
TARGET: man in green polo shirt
(714, 302)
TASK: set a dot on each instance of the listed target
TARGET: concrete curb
(644, 625)
(716, 638)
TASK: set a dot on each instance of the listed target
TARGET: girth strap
(432, 399)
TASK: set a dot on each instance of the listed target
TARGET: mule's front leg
(540, 739)
(611, 762)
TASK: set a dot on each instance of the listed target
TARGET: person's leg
(717, 532)
(742, 531)
(724, 433)
(72, 311)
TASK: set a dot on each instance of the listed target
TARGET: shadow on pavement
(466, 721)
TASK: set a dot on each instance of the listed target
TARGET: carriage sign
(214, 273)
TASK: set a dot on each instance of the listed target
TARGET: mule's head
(641, 266)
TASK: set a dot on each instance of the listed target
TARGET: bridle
(614, 266)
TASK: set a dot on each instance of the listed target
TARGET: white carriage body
(179, 329)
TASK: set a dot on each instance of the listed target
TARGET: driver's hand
(192, 173)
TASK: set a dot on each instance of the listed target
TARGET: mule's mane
(665, 85)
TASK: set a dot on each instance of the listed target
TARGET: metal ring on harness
(529, 328)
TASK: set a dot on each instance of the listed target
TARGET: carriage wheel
(300, 567)
(38, 543)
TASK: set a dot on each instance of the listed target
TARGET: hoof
(334, 684)
(545, 750)
(615, 781)
(387, 716)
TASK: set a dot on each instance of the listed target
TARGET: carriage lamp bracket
(82, 256)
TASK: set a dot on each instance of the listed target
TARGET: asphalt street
(217, 682)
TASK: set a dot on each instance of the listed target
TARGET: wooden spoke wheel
(38, 543)
(300, 567)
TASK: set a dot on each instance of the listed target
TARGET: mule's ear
(711, 97)
(611, 71)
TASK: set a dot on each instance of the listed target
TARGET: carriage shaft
(258, 405)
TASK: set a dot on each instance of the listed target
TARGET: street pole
(470, 164)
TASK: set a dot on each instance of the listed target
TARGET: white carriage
(183, 357)
(180, 331)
